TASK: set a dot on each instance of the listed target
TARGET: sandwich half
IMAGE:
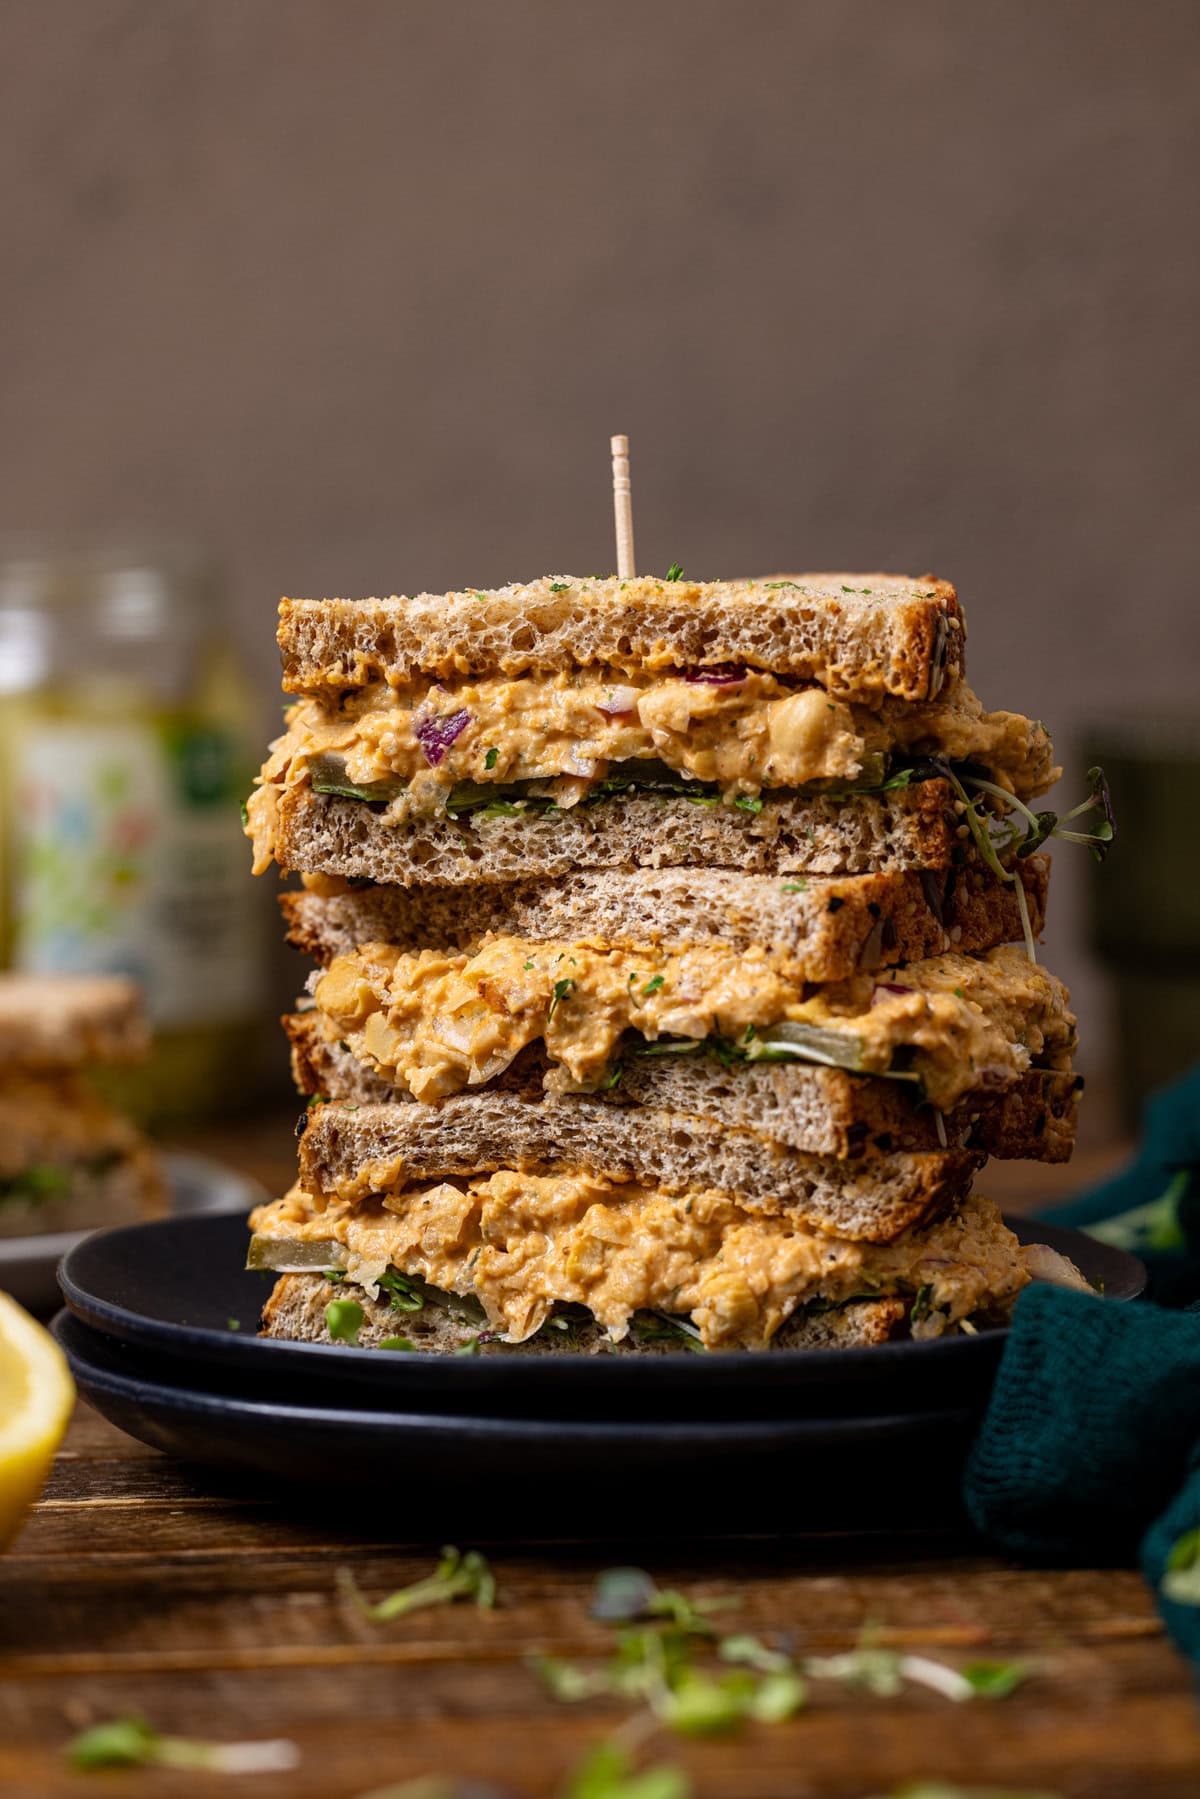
(729, 999)
(810, 724)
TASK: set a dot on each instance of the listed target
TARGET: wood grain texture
(210, 1605)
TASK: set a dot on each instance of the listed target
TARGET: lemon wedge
(36, 1397)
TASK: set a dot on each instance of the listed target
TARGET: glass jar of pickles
(127, 735)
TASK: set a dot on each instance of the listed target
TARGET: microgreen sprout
(133, 1743)
(457, 1576)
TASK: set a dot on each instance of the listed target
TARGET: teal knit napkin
(1090, 1449)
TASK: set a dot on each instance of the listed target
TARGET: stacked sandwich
(68, 1161)
(675, 967)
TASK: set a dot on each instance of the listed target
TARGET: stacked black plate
(160, 1332)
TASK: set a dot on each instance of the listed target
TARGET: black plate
(417, 1473)
(171, 1288)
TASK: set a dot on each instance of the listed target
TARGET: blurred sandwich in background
(68, 1161)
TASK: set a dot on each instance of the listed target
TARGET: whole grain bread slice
(348, 1152)
(819, 928)
(864, 637)
(295, 1312)
(908, 828)
(820, 1111)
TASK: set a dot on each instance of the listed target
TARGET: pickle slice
(328, 775)
(285, 1255)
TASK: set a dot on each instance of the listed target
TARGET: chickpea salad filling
(437, 1022)
(524, 1245)
(718, 735)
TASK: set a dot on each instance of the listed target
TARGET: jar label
(128, 858)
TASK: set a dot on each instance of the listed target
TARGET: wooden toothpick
(622, 506)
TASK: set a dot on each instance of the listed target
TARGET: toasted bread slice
(350, 1151)
(63, 1021)
(820, 929)
(910, 828)
(864, 637)
(295, 1312)
(820, 1111)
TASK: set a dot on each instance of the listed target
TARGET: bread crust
(820, 1111)
(908, 828)
(818, 929)
(295, 1312)
(864, 637)
(349, 1151)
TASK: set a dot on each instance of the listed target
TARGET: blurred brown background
(355, 290)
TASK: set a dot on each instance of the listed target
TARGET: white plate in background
(28, 1265)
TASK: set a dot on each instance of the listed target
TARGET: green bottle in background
(127, 740)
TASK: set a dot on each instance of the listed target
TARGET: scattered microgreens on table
(760, 1682)
(457, 1576)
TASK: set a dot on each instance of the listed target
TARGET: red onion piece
(618, 702)
(888, 987)
(721, 674)
(435, 735)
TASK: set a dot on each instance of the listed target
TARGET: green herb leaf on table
(457, 1576)
(778, 1696)
(607, 1772)
(752, 1652)
(883, 1672)
(994, 1680)
(875, 1670)
(133, 1743)
(698, 1705)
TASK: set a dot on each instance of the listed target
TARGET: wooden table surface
(210, 1605)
